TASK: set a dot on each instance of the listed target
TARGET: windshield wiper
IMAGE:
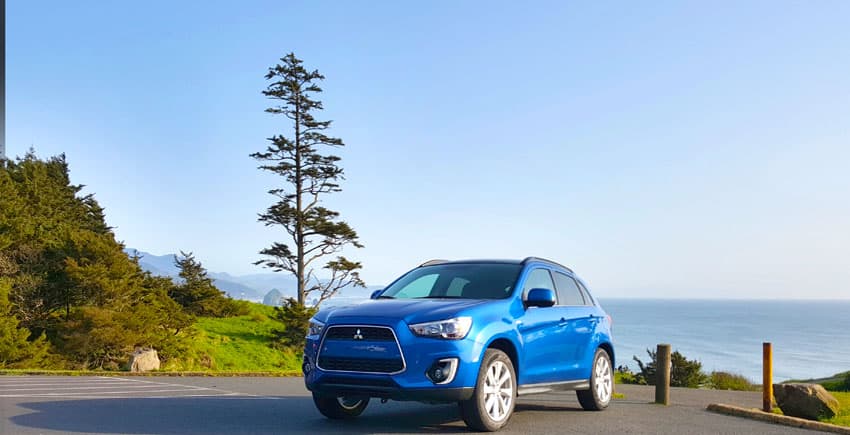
(386, 297)
(439, 297)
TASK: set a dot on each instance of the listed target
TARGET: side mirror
(376, 293)
(540, 297)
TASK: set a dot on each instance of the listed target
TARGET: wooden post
(767, 378)
(662, 374)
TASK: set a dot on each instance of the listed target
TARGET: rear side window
(586, 293)
(568, 291)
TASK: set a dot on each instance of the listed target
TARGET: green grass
(730, 381)
(834, 378)
(843, 417)
(237, 344)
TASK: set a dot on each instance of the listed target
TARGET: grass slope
(237, 344)
(843, 417)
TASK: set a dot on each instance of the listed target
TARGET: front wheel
(340, 407)
(493, 400)
(601, 389)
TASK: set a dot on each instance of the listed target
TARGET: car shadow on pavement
(227, 415)
(241, 414)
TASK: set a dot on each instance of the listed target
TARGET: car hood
(409, 310)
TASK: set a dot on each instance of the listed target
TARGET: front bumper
(409, 384)
(344, 387)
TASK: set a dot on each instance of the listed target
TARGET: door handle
(563, 322)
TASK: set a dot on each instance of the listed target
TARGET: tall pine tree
(315, 232)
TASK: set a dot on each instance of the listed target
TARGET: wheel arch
(508, 347)
(609, 349)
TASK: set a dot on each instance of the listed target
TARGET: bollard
(767, 378)
(662, 374)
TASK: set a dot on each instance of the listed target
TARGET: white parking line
(105, 393)
(78, 388)
(61, 384)
(189, 386)
(105, 387)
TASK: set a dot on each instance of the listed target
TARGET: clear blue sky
(662, 149)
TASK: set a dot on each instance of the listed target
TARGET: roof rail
(433, 262)
(543, 260)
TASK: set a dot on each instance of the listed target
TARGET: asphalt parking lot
(172, 405)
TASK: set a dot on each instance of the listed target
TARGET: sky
(670, 149)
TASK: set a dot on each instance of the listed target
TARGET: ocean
(811, 339)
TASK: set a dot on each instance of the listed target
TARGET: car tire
(493, 400)
(601, 391)
(340, 407)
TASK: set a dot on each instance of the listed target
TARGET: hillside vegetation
(72, 298)
(244, 343)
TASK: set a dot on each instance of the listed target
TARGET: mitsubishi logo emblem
(358, 335)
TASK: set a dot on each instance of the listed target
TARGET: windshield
(461, 281)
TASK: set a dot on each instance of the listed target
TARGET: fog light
(306, 367)
(442, 371)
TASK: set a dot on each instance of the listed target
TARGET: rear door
(578, 323)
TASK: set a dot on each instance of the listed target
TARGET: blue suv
(476, 332)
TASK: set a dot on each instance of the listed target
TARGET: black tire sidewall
(600, 353)
(474, 412)
(330, 407)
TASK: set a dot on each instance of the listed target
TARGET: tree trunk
(299, 227)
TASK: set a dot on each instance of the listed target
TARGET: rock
(143, 360)
(273, 298)
(809, 401)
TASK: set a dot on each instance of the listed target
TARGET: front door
(542, 332)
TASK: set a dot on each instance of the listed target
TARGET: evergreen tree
(70, 278)
(296, 319)
(315, 231)
(16, 351)
(196, 292)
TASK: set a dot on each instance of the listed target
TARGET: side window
(419, 288)
(568, 291)
(537, 278)
(586, 294)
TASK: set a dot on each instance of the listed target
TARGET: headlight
(452, 329)
(315, 329)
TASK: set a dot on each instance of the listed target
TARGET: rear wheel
(601, 389)
(493, 400)
(340, 407)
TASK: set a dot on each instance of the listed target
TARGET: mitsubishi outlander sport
(476, 332)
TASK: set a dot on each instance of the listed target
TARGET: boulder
(143, 360)
(809, 401)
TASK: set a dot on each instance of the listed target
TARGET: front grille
(361, 333)
(369, 365)
(341, 337)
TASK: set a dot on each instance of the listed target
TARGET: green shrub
(683, 373)
(730, 381)
(624, 375)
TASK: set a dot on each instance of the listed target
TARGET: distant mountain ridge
(250, 287)
(253, 287)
